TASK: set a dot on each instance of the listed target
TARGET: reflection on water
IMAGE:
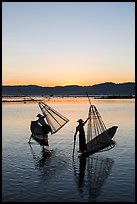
(91, 174)
(49, 162)
(29, 176)
(45, 154)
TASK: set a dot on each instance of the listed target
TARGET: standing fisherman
(45, 127)
(82, 140)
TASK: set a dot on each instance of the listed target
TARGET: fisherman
(45, 127)
(82, 140)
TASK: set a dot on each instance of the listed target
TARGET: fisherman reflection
(91, 175)
(82, 167)
(80, 172)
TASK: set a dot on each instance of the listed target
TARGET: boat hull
(101, 141)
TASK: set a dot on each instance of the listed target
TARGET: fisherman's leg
(42, 132)
(83, 146)
(46, 139)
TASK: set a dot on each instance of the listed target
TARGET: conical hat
(39, 115)
(80, 121)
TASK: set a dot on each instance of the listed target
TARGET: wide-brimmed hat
(39, 115)
(80, 121)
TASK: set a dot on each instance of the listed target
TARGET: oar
(88, 97)
(31, 134)
(74, 145)
(30, 138)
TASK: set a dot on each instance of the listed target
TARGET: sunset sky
(67, 43)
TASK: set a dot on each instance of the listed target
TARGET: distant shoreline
(30, 99)
(103, 89)
(116, 97)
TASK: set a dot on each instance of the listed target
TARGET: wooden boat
(101, 140)
(93, 147)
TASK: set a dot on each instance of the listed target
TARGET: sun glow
(69, 49)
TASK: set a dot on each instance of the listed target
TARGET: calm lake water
(107, 176)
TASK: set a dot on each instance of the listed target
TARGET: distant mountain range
(107, 88)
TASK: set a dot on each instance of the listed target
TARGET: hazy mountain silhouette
(107, 88)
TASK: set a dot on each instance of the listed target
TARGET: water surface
(107, 176)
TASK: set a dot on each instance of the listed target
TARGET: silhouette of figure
(82, 140)
(45, 127)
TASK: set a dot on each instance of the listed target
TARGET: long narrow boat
(101, 142)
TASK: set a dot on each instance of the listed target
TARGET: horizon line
(71, 85)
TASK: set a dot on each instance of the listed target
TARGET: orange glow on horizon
(65, 78)
(80, 83)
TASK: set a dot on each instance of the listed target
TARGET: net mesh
(95, 124)
(97, 134)
(54, 118)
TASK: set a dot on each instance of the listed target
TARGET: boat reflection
(41, 161)
(90, 174)
(48, 163)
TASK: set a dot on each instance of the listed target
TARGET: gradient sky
(67, 43)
